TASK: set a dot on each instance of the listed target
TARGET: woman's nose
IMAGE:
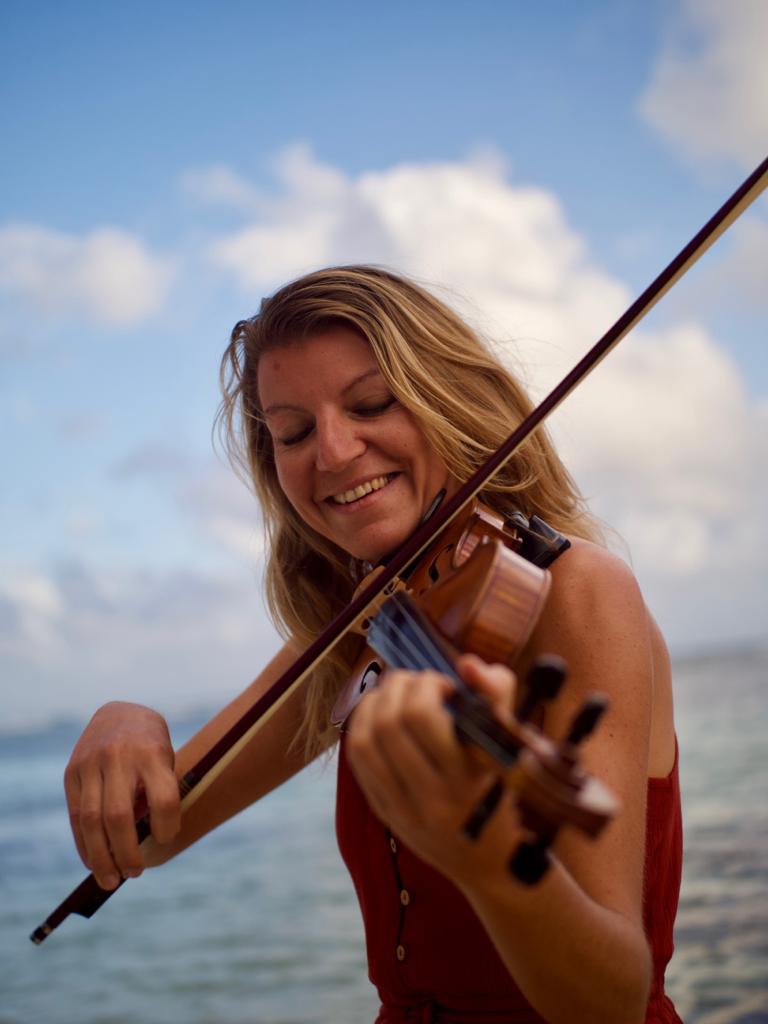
(338, 444)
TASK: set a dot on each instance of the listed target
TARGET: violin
(472, 591)
(88, 896)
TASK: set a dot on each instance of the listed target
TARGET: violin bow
(88, 896)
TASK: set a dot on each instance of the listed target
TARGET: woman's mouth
(361, 491)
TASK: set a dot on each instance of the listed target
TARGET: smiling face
(352, 462)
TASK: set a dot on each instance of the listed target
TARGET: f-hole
(432, 571)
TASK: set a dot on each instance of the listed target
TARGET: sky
(167, 165)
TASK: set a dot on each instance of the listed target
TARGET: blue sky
(166, 165)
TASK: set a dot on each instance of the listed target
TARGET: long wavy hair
(463, 398)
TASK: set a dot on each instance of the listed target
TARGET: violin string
(397, 643)
(410, 632)
(429, 654)
(432, 651)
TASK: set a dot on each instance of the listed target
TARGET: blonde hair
(465, 401)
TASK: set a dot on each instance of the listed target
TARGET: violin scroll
(594, 805)
(543, 683)
(551, 786)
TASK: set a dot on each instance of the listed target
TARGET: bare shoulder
(595, 618)
(592, 567)
(594, 593)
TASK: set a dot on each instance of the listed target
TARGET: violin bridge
(362, 624)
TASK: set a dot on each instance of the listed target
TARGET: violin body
(474, 587)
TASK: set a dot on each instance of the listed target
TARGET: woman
(352, 399)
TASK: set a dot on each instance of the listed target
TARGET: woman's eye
(374, 408)
(291, 439)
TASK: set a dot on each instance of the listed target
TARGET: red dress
(428, 955)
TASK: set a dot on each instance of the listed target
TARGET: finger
(403, 748)
(120, 820)
(374, 727)
(402, 782)
(73, 794)
(380, 754)
(494, 681)
(161, 790)
(97, 853)
(422, 730)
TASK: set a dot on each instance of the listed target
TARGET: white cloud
(220, 185)
(206, 492)
(663, 434)
(319, 211)
(244, 540)
(72, 637)
(36, 596)
(741, 274)
(225, 511)
(708, 94)
(108, 275)
(666, 432)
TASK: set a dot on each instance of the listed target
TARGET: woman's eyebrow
(373, 372)
(287, 407)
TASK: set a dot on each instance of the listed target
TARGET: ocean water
(258, 923)
(719, 974)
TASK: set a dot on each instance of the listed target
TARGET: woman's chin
(374, 549)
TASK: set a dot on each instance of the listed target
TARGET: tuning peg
(542, 683)
(586, 719)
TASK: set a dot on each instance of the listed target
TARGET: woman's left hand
(419, 779)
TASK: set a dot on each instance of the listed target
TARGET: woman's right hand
(122, 765)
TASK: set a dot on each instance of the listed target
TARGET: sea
(258, 923)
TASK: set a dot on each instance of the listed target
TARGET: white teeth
(360, 491)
